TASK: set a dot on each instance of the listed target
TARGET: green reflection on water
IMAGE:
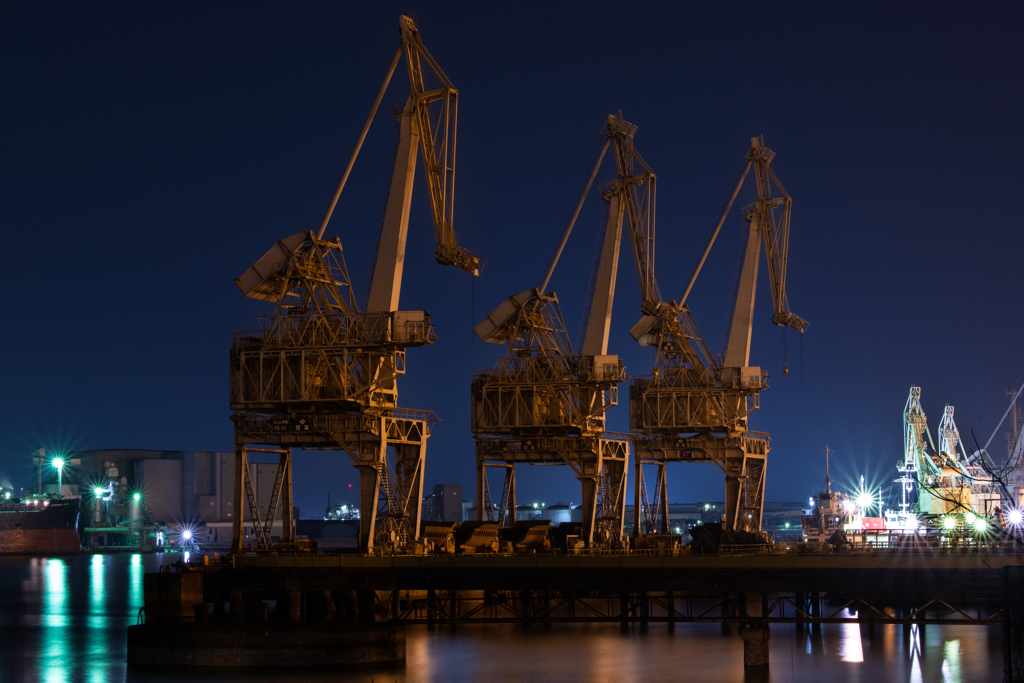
(135, 572)
(96, 587)
(97, 621)
(55, 594)
(55, 651)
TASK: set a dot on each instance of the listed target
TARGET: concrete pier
(755, 648)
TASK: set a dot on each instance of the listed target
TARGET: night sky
(152, 151)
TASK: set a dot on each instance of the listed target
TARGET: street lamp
(58, 464)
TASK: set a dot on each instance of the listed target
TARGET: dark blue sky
(152, 151)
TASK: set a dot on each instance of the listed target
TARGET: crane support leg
(237, 509)
(481, 485)
(589, 508)
(638, 497)
(744, 490)
(369, 496)
(411, 459)
(663, 498)
(287, 500)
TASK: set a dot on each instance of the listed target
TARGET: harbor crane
(693, 407)
(322, 371)
(944, 480)
(544, 402)
(917, 464)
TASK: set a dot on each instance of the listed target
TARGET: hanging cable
(801, 359)
(785, 354)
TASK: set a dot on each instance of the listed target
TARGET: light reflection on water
(54, 652)
(66, 620)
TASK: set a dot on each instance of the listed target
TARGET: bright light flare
(1015, 517)
(136, 497)
(970, 518)
(57, 463)
(98, 492)
(865, 500)
(980, 524)
(949, 522)
(186, 535)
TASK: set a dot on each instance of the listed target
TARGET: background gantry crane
(943, 480)
(545, 403)
(917, 464)
(322, 372)
(693, 408)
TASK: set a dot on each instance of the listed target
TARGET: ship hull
(40, 530)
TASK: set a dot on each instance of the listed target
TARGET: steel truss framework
(549, 606)
(742, 458)
(281, 496)
(603, 460)
(387, 447)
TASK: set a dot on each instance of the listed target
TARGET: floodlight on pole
(58, 464)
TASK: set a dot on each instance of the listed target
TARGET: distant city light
(187, 534)
(970, 517)
(57, 463)
(98, 492)
(949, 522)
(980, 524)
(1015, 517)
(136, 496)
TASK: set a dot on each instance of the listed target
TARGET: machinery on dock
(322, 371)
(544, 402)
(694, 407)
(949, 480)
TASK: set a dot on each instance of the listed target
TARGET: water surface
(65, 619)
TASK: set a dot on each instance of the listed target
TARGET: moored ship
(39, 526)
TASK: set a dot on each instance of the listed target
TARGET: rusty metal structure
(545, 403)
(694, 407)
(322, 372)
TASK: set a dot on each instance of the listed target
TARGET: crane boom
(623, 199)
(436, 137)
(775, 234)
